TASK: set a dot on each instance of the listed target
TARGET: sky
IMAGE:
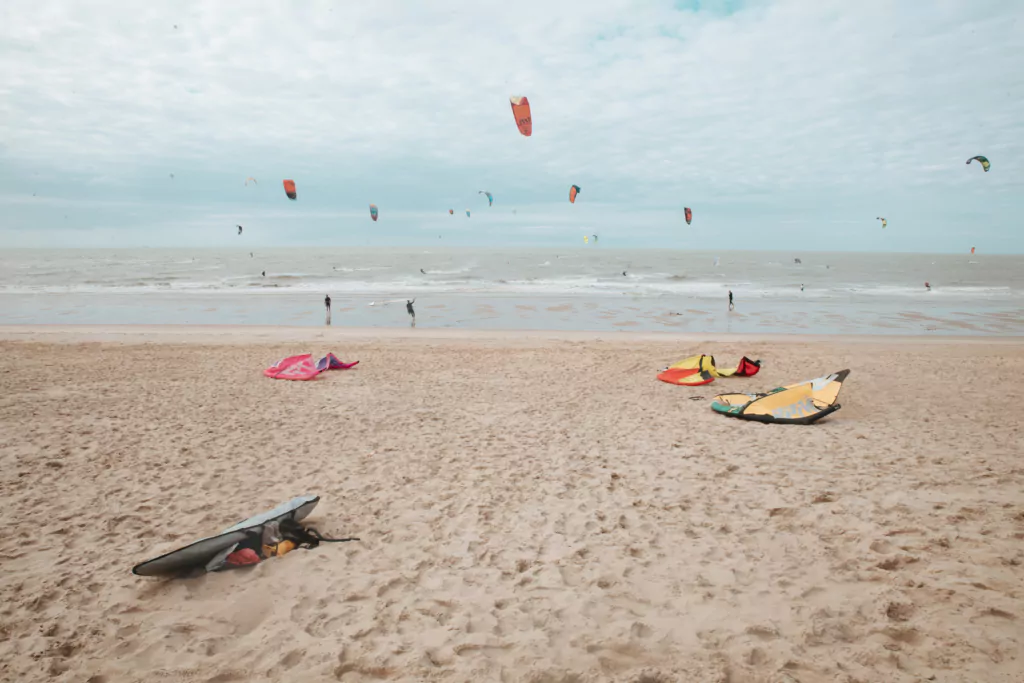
(783, 124)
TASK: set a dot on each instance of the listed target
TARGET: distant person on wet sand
(731, 307)
(327, 305)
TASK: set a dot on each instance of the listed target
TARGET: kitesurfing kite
(490, 197)
(373, 212)
(252, 179)
(972, 251)
(239, 229)
(586, 240)
(701, 369)
(521, 113)
(801, 403)
(301, 368)
(688, 214)
(573, 191)
(595, 237)
(289, 189)
(884, 222)
(467, 213)
(451, 212)
(984, 162)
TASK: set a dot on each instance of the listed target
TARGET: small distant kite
(252, 179)
(595, 237)
(239, 229)
(490, 197)
(884, 222)
(573, 191)
(373, 212)
(289, 189)
(451, 212)
(688, 213)
(984, 162)
(586, 240)
(467, 213)
(521, 113)
(972, 251)
(172, 176)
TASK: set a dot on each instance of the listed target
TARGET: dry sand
(531, 508)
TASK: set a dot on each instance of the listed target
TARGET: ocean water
(588, 288)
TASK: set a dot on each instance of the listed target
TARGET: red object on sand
(242, 558)
(294, 367)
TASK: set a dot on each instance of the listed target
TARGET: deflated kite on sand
(801, 403)
(301, 367)
(269, 534)
(293, 367)
(697, 370)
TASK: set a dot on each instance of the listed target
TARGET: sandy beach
(532, 507)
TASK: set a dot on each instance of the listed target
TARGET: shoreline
(271, 334)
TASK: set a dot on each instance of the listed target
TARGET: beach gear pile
(303, 368)
(270, 534)
(701, 369)
(803, 403)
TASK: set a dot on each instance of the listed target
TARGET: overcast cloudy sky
(784, 124)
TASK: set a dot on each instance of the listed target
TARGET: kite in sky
(984, 162)
(521, 112)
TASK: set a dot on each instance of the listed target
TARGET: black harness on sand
(305, 537)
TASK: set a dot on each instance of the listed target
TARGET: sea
(588, 288)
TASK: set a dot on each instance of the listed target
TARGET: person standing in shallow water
(327, 305)
(731, 307)
(410, 311)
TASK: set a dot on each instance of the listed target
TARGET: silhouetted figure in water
(731, 307)
(423, 271)
(928, 286)
(327, 305)
(410, 311)
(801, 288)
(264, 273)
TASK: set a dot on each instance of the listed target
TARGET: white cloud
(635, 101)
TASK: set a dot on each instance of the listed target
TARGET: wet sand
(607, 313)
(531, 506)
